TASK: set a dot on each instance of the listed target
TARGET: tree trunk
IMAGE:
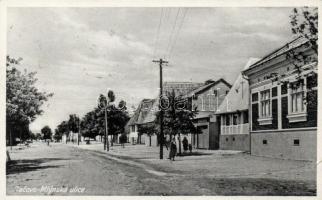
(179, 144)
(10, 136)
(150, 140)
(197, 141)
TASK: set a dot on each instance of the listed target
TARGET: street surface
(65, 169)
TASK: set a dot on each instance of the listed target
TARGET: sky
(79, 53)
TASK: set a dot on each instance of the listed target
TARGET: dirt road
(65, 170)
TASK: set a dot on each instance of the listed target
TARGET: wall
(214, 135)
(280, 144)
(234, 142)
(154, 140)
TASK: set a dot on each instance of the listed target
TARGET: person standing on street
(185, 144)
(173, 149)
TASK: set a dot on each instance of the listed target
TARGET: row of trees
(93, 122)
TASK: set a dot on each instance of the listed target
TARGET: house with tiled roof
(233, 115)
(283, 103)
(205, 100)
(198, 94)
(144, 114)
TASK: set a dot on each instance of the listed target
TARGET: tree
(57, 136)
(62, 129)
(90, 124)
(73, 123)
(38, 136)
(304, 22)
(47, 133)
(116, 116)
(148, 129)
(23, 99)
(178, 118)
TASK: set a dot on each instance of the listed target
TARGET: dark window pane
(284, 88)
(264, 141)
(274, 91)
(297, 142)
(227, 120)
(246, 117)
(255, 97)
(312, 81)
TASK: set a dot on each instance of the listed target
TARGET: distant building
(282, 116)
(202, 97)
(206, 100)
(144, 114)
(233, 115)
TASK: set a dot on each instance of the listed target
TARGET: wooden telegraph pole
(161, 62)
(79, 132)
(106, 130)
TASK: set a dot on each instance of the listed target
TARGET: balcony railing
(235, 129)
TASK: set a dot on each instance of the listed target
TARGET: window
(297, 97)
(297, 107)
(226, 139)
(245, 117)
(274, 91)
(296, 142)
(235, 119)
(233, 138)
(265, 104)
(284, 88)
(227, 120)
(264, 141)
(132, 128)
(254, 97)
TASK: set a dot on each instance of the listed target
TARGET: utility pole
(106, 131)
(161, 62)
(79, 137)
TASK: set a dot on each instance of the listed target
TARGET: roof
(206, 87)
(180, 88)
(287, 47)
(148, 111)
(238, 96)
(145, 113)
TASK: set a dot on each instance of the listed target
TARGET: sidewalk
(213, 163)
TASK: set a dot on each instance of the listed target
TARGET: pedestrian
(190, 148)
(173, 149)
(185, 144)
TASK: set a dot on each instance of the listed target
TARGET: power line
(167, 19)
(178, 32)
(158, 33)
(172, 32)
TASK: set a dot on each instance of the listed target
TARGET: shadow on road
(26, 165)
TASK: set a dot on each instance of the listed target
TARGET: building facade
(232, 115)
(283, 103)
(144, 114)
(205, 100)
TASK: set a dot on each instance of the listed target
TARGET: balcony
(235, 129)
